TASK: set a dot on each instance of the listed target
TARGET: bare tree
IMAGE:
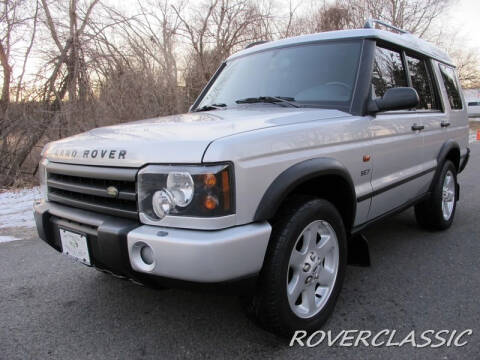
(104, 62)
(416, 16)
(465, 58)
(27, 52)
(468, 67)
(319, 17)
(68, 73)
(5, 60)
(151, 39)
(214, 30)
(12, 18)
(70, 53)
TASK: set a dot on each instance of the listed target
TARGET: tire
(291, 264)
(437, 212)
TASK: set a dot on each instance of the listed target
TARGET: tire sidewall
(313, 210)
(438, 192)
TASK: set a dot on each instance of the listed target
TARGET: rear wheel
(438, 211)
(304, 268)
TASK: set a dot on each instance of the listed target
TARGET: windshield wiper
(268, 99)
(210, 107)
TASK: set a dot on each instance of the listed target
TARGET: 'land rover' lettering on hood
(90, 154)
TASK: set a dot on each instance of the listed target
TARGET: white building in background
(472, 97)
(472, 94)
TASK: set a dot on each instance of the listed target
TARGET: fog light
(162, 203)
(146, 253)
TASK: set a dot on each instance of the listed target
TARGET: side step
(358, 252)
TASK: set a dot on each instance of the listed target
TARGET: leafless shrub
(99, 63)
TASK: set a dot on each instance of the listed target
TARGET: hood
(174, 139)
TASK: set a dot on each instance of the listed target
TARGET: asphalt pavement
(52, 308)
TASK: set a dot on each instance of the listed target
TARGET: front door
(397, 143)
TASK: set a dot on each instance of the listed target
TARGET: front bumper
(188, 255)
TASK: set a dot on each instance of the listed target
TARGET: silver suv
(292, 149)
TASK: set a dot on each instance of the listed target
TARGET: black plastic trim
(106, 235)
(359, 228)
(245, 285)
(90, 189)
(464, 161)
(364, 76)
(448, 146)
(297, 174)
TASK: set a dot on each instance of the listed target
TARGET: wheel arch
(450, 150)
(323, 177)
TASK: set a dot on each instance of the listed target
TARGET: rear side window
(422, 82)
(388, 71)
(451, 84)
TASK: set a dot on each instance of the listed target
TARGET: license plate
(75, 245)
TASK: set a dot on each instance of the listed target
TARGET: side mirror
(395, 99)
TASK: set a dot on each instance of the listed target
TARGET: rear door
(430, 111)
(397, 147)
(456, 111)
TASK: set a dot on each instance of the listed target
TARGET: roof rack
(256, 43)
(370, 24)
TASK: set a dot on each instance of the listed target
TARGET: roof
(407, 40)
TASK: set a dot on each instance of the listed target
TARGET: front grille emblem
(112, 191)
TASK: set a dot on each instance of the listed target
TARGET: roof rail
(370, 24)
(256, 43)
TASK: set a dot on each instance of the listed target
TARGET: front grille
(85, 187)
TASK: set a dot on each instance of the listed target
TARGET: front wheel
(304, 268)
(437, 212)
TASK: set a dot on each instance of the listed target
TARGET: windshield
(312, 75)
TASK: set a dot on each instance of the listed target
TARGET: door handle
(416, 127)
(444, 124)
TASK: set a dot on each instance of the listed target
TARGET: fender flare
(297, 174)
(446, 148)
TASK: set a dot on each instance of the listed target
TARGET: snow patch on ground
(16, 208)
(4, 239)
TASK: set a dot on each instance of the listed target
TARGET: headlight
(196, 191)
(42, 178)
(181, 185)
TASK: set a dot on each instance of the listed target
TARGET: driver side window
(388, 71)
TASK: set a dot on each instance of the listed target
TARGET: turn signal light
(210, 180)
(210, 202)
